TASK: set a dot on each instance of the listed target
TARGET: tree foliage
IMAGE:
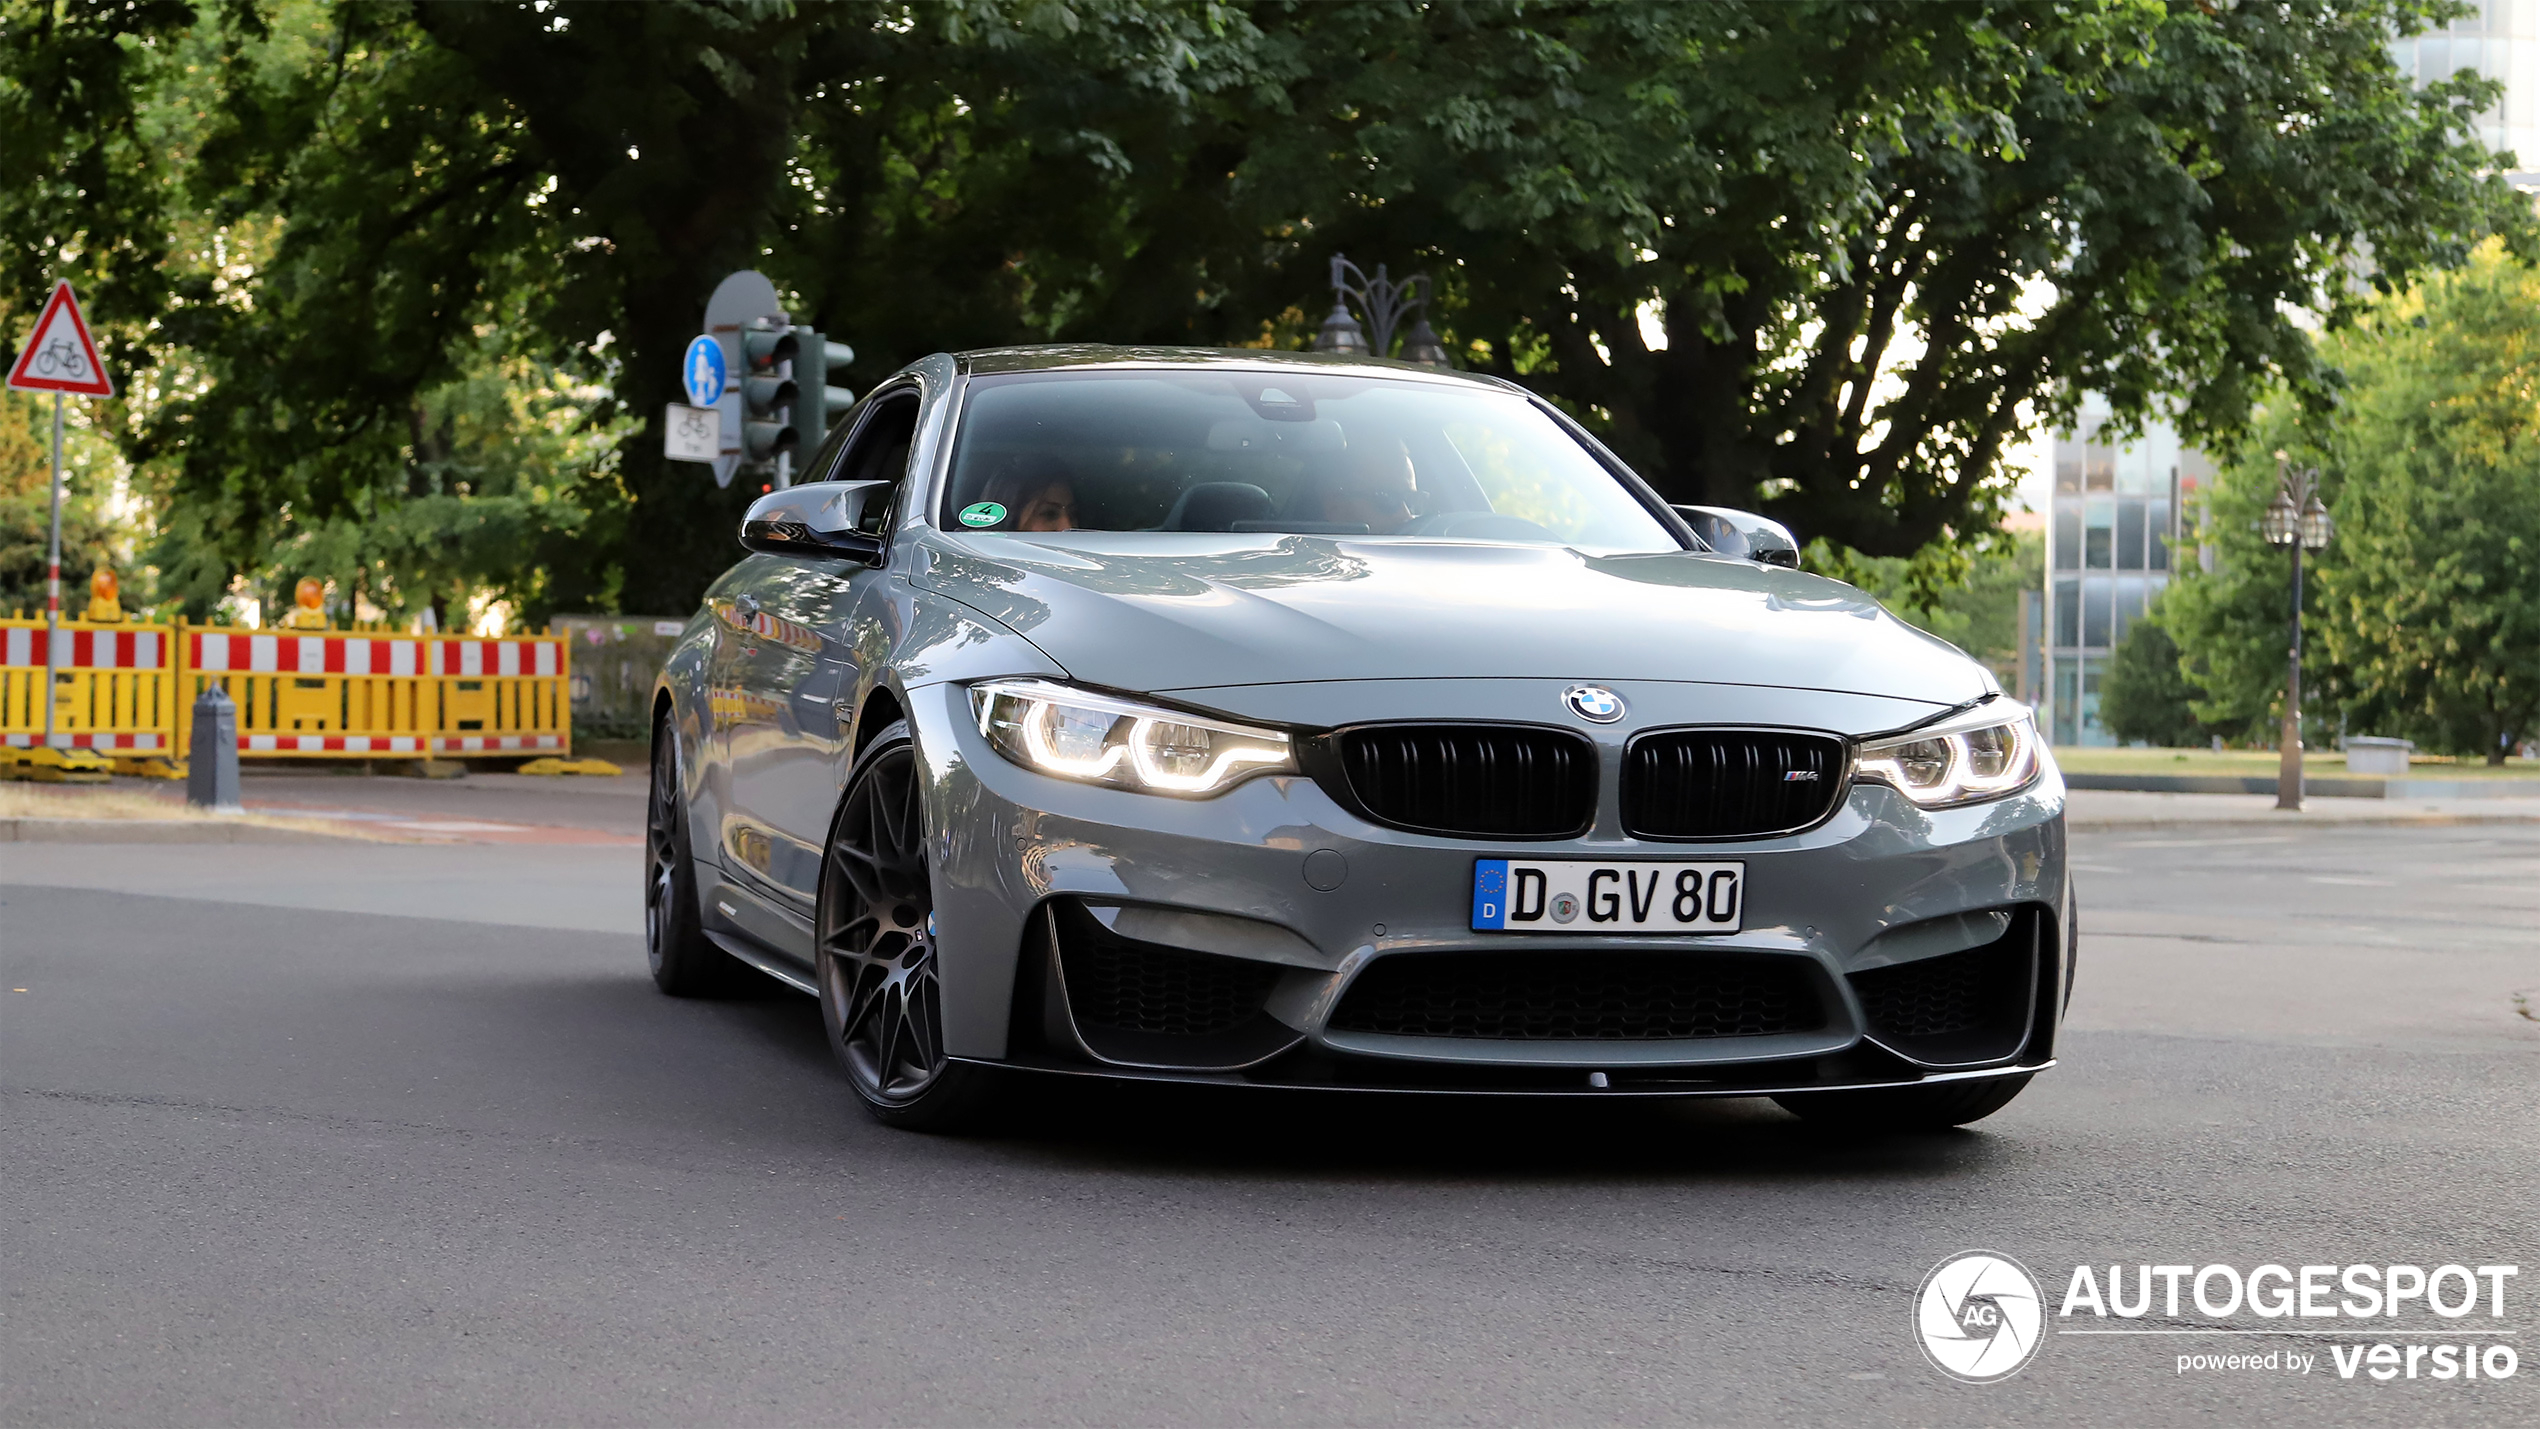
(2433, 610)
(2146, 697)
(26, 511)
(2424, 612)
(1825, 258)
(1881, 243)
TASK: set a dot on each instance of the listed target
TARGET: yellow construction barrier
(127, 691)
(113, 689)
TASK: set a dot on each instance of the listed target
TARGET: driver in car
(1372, 486)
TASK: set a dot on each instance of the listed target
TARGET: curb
(2122, 824)
(2317, 787)
(154, 831)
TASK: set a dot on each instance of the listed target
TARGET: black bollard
(211, 776)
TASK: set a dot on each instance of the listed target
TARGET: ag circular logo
(1593, 703)
(1979, 1316)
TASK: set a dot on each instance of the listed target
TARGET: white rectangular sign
(691, 433)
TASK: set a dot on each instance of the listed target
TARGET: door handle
(745, 606)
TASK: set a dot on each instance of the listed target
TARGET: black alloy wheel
(684, 962)
(880, 985)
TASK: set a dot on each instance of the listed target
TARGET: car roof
(1049, 357)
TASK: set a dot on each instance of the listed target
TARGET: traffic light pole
(53, 581)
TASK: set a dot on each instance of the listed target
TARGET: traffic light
(817, 405)
(769, 433)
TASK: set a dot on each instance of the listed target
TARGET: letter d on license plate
(1518, 896)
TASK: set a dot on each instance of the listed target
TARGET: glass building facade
(2114, 518)
(2500, 40)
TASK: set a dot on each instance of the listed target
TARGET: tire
(684, 962)
(1905, 1109)
(880, 992)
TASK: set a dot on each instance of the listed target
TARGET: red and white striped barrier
(476, 659)
(145, 741)
(87, 649)
(370, 655)
(394, 743)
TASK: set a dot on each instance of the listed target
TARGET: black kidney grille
(1141, 987)
(1729, 783)
(1579, 996)
(1508, 781)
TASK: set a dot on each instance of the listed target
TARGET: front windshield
(1280, 451)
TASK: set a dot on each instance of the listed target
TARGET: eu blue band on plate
(1490, 893)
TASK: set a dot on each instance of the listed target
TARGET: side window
(823, 465)
(879, 452)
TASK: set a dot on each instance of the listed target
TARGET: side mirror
(1743, 533)
(822, 520)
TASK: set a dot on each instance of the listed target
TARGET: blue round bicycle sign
(701, 372)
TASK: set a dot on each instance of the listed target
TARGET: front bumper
(1876, 912)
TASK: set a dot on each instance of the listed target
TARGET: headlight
(1077, 734)
(1985, 753)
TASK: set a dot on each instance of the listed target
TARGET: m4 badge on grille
(1800, 776)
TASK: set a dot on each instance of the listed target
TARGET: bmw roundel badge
(1593, 703)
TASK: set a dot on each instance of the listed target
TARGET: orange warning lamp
(104, 604)
(308, 610)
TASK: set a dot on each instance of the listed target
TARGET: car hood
(1166, 611)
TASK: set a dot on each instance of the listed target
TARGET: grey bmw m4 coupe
(1285, 720)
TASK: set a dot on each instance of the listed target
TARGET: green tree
(2433, 608)
(2423, 615)
(2146, 697)
(1880, 242)
(26, 510)
(2232, 625)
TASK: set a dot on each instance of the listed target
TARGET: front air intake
(1958, 1009)
(1508, 781)
(1581, 996)
(1133, 1003)
(1729, 783)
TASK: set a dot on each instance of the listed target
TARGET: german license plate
(1525, 896)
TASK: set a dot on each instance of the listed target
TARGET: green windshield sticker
(983, 513)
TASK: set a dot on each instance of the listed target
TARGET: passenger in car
(1038, 493)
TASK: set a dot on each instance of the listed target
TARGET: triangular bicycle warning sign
(61, 357)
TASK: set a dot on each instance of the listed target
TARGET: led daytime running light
(1980, 756)
(1138, 747)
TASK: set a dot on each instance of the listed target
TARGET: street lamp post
(2298, 521)
(1384, 302)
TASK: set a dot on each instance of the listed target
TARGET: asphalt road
(372, 1134)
